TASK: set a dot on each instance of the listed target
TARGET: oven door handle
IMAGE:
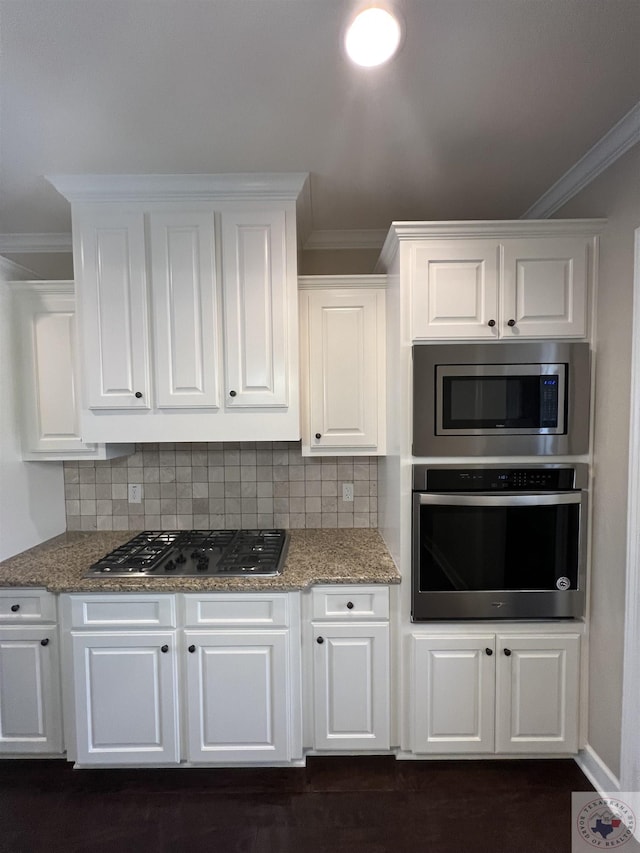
(463, 499)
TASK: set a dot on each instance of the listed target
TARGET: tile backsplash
(221, 485)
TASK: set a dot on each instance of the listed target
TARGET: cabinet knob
(232, 393)
(318, 435)
(511, 322)
(507, 652)
(489, 652)
(192, 649)
(320, 641)
(164, 648)
(349, 605)
(491, 323)
(15, 608)
(138, 395)
(44, 642)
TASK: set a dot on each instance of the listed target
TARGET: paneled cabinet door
(345, 368)
(259, 311)
(30, 715)
(185, 310)
(112, 307)
(545, 287)
(237, 696)
(453, 694)
(125, 697)
(454, 289)
(537, 693)
(351, 686)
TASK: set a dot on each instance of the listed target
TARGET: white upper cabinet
(187, 303)
(497, 280)
(343, 365)
(48, 380)
(256, 306)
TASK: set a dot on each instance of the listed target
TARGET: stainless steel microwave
(501, 399)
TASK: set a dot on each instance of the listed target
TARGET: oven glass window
(493, 548)
(481, 402)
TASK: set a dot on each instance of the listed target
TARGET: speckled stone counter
(328, 556)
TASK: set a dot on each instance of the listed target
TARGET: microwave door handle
(461, 499)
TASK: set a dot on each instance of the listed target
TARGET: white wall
(615, 195)
(31, 493)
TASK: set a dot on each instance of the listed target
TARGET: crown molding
(361, 238)
(327, 282)
(33, 244)
(622, 136)
(130, 188)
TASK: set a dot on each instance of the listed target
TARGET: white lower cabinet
(203, 679)
(495, 693)
(351, 700)
(30, 708)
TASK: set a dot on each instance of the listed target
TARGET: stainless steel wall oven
(499, 542)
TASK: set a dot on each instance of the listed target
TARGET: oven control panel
(494, 479)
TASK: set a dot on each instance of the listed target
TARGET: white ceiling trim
(29, 244)
(618, 140)
(350, 239)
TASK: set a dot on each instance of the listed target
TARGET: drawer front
(350, 602)
(122, 610)
(27, 605)
(243, 610)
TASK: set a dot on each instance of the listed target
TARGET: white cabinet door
(185, 311)
(125, 697)
(545, 287)
(453, 694)
(351, 686)
(454, 290)
(257, 308)
(237, 696)
(112, 307)
(344, 359)
(30, 715)
(537, 693)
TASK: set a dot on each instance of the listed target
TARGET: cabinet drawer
(242, 610)
(27, 605)
(118, 610)
(350, 602)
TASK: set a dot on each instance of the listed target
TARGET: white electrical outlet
(347, 492)
(135, 493)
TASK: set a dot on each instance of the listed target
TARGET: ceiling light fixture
(373, 37)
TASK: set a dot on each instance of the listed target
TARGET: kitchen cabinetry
(500, 280)
(48, 383)
(30, 708)
(223, 664)
(351, 693)
(342, 325)
(486, 692)
(187, 304)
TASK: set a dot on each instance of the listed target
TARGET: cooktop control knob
(170, 566)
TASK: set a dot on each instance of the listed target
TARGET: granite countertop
(331, 556)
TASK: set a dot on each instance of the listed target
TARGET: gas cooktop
(167, 553)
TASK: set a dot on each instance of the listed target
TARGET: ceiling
(487, 104)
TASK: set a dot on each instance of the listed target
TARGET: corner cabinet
(342, 331)
(30, 706)
(485, 692)
(499, 280)
(187, 305)
(48, 375)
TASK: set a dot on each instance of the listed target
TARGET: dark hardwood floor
(359, 805)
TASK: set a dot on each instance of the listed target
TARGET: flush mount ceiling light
(373, 37)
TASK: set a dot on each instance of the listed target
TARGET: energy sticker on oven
(563, 583)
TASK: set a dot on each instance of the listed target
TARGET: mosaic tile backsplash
(221, 485)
